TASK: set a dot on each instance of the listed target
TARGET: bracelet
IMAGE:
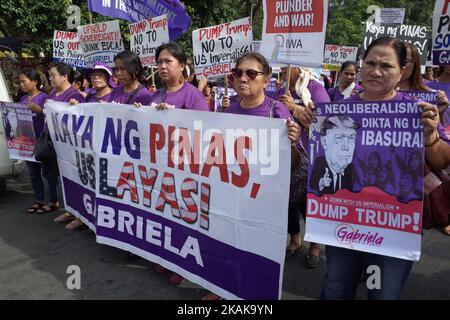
(434, 142)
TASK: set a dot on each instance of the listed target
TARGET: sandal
(47, 208)
(35, 207)
(64, 217)
(75, 224)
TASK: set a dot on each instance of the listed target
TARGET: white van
(8, 168)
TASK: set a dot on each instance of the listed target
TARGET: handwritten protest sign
(217, 48)
(256, 47)
(441, 33)
(66, 48)
(417, 35)
(337, 55)
(159, 184)
(147, 36)
(100, 42)
(294, 31)
(17, 122)
(365, 179)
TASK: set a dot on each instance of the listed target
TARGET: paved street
(35, 253)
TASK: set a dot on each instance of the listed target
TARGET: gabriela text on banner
(294, 16)
(151, 231)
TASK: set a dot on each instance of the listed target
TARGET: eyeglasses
(252, 74)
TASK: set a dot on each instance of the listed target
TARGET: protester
(346, 83)
(429, 74)
(383, 66)
(102, 82)
(78, 82)
(251, 76)
(176, 91)
(413, 81)
(61, 78)
(30, 82)
(444, 75)
(303, 92)
(128, 70)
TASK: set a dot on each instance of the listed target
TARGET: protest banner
(138, 10)
(294, 31)
(100, 42)
(18, 125)
(441, 33)
(365, 179)
(66, 48)
(337, 55)
(217, 48)
(392, 15)
(417, 35)
(163, 184)
(146, 36)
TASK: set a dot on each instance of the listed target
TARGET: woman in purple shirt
(346, 84)
(303, 92)
(176, 91)
(61, 79)
(382, 68)
(128, 70)
(30, 81)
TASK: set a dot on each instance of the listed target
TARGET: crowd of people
(389, 70)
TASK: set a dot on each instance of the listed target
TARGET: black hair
(78, 77)
(258, 57)
(176, 51)
(398, 46)
(132, 64)
(33, 75)
(347, 64)
(65, 70)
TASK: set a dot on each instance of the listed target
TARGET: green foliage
(34, 21)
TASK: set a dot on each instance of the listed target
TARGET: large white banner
(216, 48)
(159, 184)
(441, 33)
(146, 36)
(66, 48)
(100, 42)
(294, 31)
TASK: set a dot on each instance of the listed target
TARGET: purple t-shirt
(70, 93)
(141, 95)
(187, 97)
(404, 96)
(263, 110)
(318, 93)
(38, 118)
(336, 95)
(92, 98)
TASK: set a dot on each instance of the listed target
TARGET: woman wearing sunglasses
(251, 78)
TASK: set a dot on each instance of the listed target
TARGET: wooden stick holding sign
(153, 77)
(225, 78)
(288, 80)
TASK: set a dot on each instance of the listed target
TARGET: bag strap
(134, 93)
(272, 103)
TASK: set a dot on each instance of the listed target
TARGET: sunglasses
(252, 74)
